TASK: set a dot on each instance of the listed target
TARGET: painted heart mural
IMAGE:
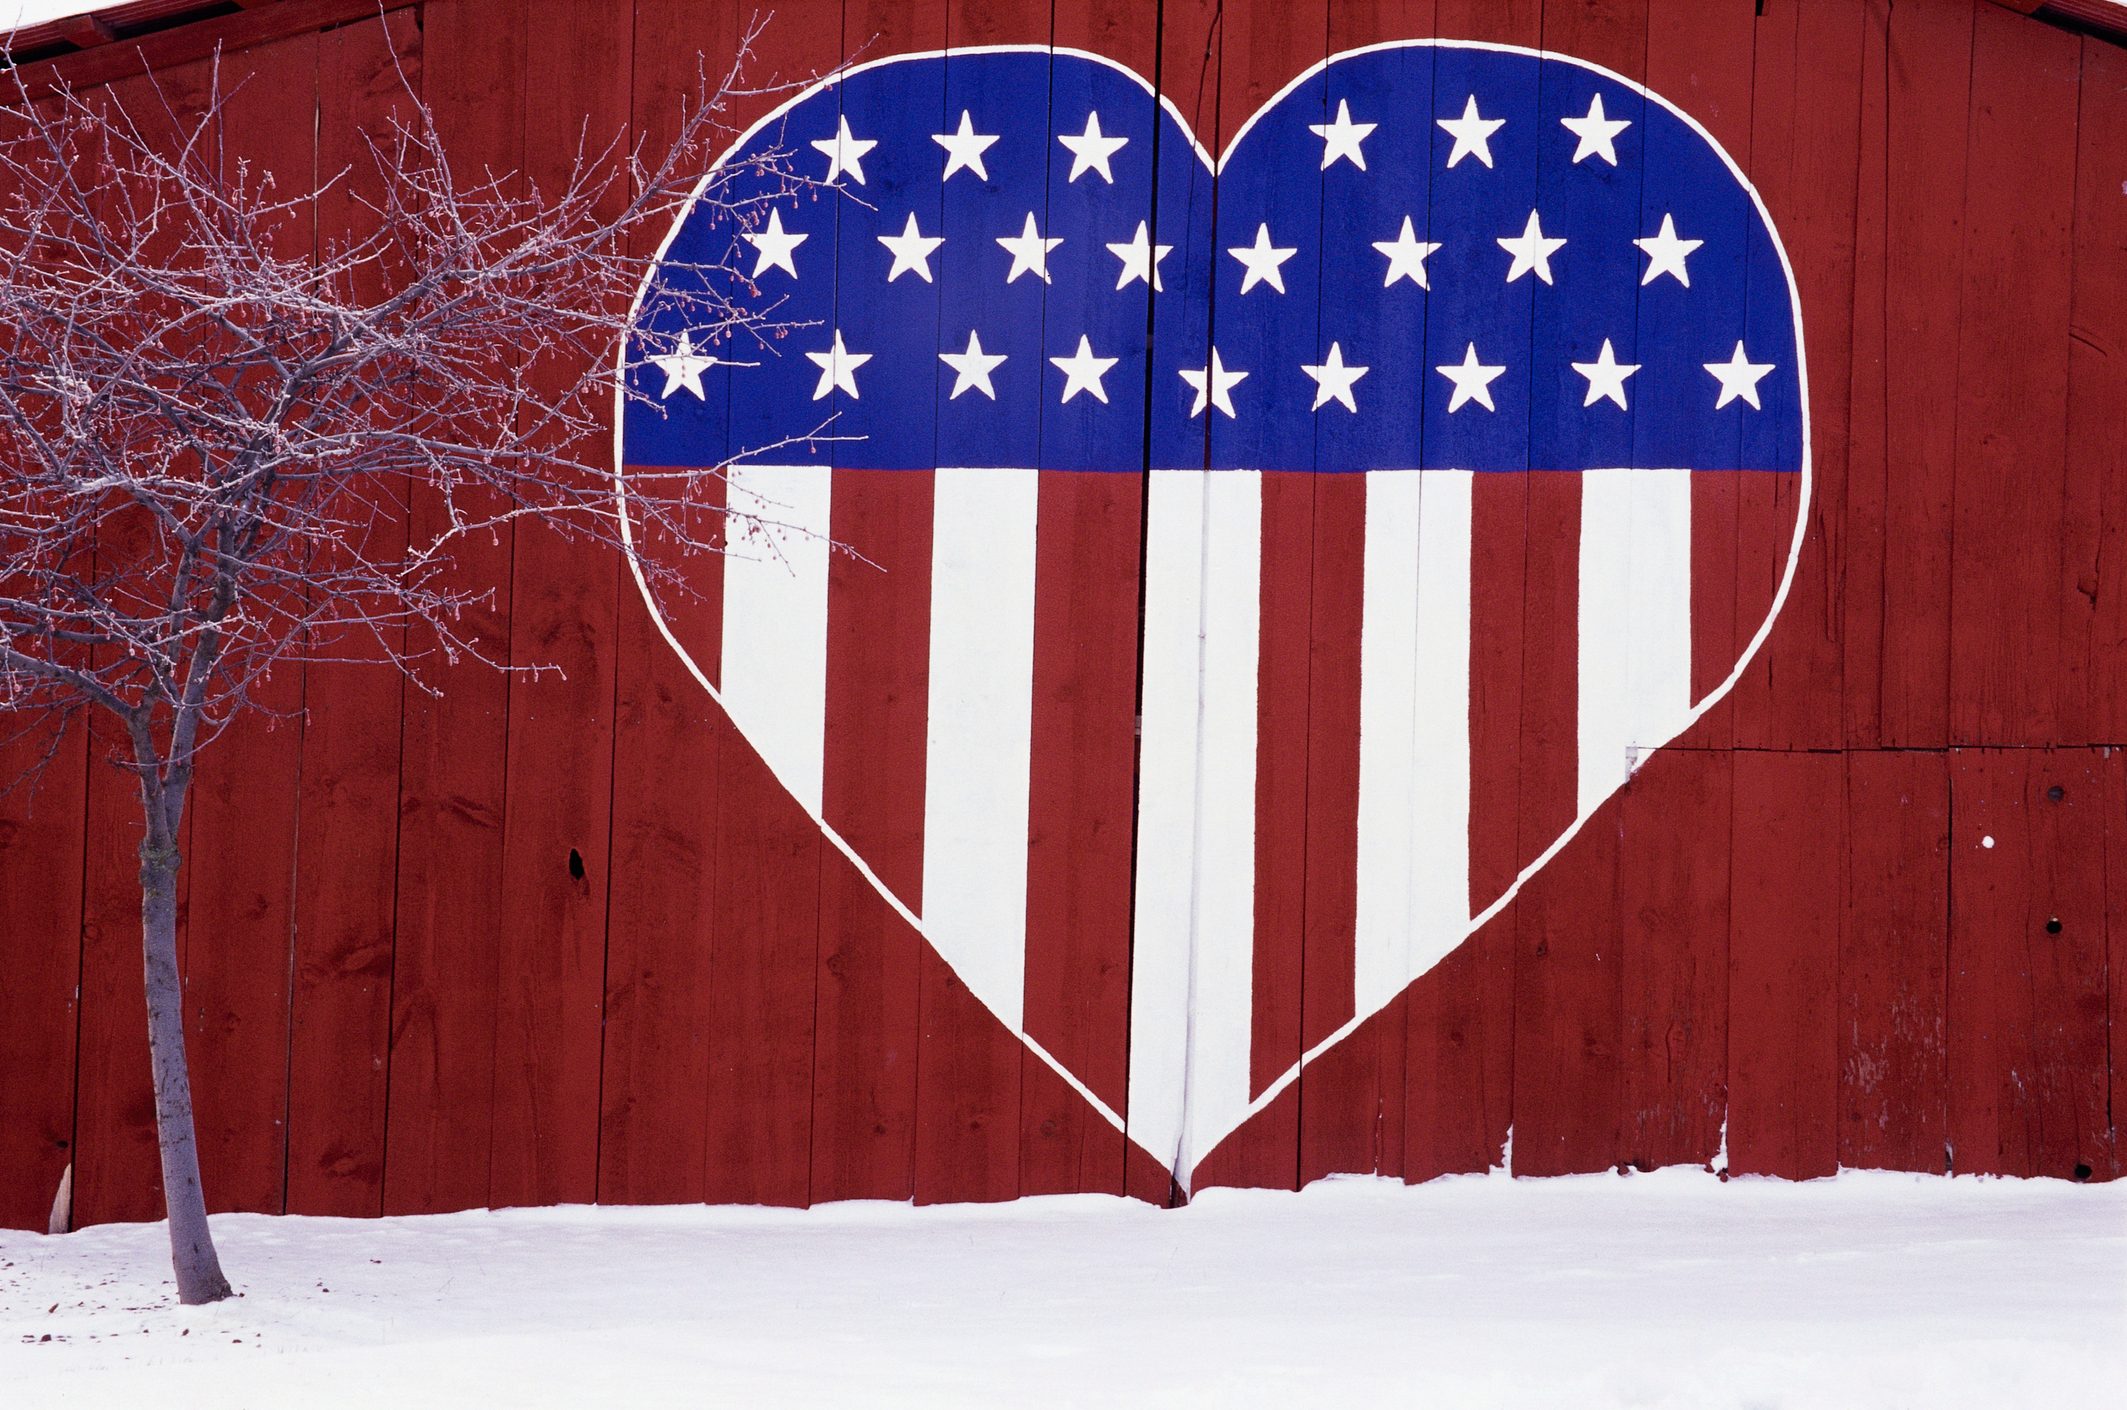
(1198, 509)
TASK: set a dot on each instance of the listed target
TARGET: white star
(1739, 377)
(1406, 256)
(838, 367)
(1082, 370)
(844, 153)
(1606, 377)
(1665, 253)
(683, 367)
(1472, 133)
(964, 148)
(973, 367)
(772, 247)
(1472, 379)
(1030, 252)
(1090, 150)
(1597, 133)
(1342, 137)
(1214, 385)
(912, 250)
(1141, 258)
(1261, 261)
(1531, 251)
(1333, 379)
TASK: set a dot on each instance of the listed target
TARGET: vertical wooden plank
(1893, 949)
(760, 1017)
(1673, 823)
(1186, 75)
(1567, 994)
(1783, 960)
(668, 738)
(446, 958)
(2005, 608)
(241, 857)
(1258, 51)
(667, 756)
(1078, 882)
(2097, 388)
(2114, 769)
(1375, 1131)
(1345, 1095)
(1700, 57)
(42, 817)
(768, 856)
(348, 796)
(1342, 1101)
(1929, 74)
(1868, 510)
(864, 1061)
(1568, 972)
(2094, 627)
(558, 782)
(117, 1174)
(1804, 160)
(1473, 1035)
(1281, 764)
(2027, 975)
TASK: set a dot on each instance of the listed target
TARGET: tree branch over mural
(236, 436)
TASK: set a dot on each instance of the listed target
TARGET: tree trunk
(199, 1270)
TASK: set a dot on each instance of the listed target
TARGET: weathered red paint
(404, 997)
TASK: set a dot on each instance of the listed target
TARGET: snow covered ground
(1671, 1289)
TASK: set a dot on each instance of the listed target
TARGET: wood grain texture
(668, 738)
(446, 971)
(2094, 539)
(1785, 900)
(1675, 822)
(2097, 369)
(1804, 159)
(348, 809)
(2027, 995)
(1893, 951)
(243, 809)
(2011, 458)
(43, 820)
(556, 826)
(1785, 925)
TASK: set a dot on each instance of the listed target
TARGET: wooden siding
(568, 939)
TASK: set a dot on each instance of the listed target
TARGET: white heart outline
(1184, 1162)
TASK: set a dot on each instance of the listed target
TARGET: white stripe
(976, 774)
(1635, 621)
(774, 676)
(1414, 730)
(1193, 962)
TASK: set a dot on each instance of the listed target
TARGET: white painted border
(1216, 165)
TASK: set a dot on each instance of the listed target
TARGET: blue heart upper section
(1495, 361)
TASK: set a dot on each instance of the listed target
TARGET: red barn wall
(568, 940)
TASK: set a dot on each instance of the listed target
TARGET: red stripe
(1081, 823)
(1550, 662)
(878, 697)
(1331, 867)
(1282, 700)
(1499, 505)
(1713, 597)
(1344, 1096)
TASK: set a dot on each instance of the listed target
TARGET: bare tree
(215, 430)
